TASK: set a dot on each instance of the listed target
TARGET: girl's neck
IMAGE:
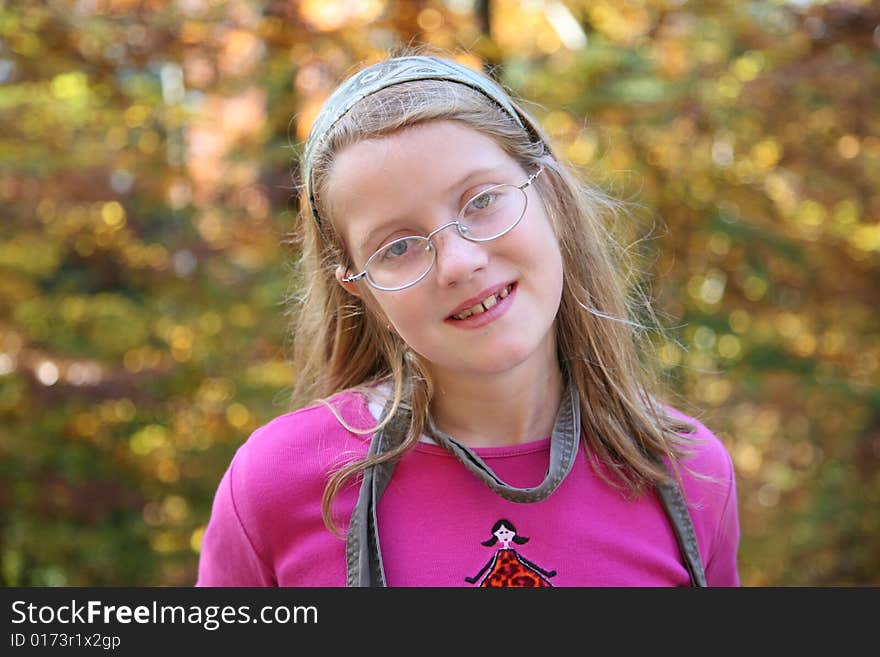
(509, 409)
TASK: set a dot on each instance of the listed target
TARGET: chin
(499, 361)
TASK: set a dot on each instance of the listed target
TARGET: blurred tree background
(146, 160)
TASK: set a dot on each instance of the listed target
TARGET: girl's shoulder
(708, 479)
(709, 486)
(302, 446)
(325, 418)
(271, 492)
(707, 453)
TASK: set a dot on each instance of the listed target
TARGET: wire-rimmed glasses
(487, 215)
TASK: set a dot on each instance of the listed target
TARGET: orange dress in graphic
(508, 568)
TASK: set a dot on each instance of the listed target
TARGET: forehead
(395, 174)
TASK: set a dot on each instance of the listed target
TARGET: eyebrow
(473, 174)
(458, 183)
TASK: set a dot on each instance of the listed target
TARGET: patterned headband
(387, 74)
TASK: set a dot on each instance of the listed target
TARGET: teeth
(476, 308)
(482, 307)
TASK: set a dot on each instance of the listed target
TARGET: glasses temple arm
(355, 278)
(532, 178)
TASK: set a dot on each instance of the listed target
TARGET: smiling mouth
(484, 305)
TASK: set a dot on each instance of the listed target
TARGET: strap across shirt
(363, 550)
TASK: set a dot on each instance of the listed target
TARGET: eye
(402, 250)
(481, 202)
(398, 248)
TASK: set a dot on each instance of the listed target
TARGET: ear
(351, 288)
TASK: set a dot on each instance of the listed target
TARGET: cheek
(542, 248)
(374, 308)
(548, 264)
(396, 308)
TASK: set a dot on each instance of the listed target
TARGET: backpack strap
(363, 553)
(676, 509)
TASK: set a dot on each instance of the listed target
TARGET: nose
(457, 259)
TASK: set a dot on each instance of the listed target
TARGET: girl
(464, 328)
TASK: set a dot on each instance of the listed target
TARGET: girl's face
(414, 181)
(504, 535)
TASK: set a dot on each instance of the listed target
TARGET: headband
(387, 74)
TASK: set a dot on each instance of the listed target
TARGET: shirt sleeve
(228, 556)
(721, 568)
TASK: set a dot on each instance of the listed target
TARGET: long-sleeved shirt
(437, 520)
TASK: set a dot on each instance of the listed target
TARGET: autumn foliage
(147, 172)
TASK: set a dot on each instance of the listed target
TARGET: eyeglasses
(489, 214)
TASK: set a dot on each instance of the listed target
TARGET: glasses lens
(493, 212)
(400, 263)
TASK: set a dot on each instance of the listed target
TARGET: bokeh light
(149, 187)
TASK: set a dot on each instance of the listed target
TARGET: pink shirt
(266, 527)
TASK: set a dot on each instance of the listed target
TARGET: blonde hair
(340, 342)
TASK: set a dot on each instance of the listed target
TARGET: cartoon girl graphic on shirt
(507, 568)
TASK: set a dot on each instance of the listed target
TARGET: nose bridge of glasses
(457, 255)
(455, 222)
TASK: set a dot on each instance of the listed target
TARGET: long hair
(340, 341)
